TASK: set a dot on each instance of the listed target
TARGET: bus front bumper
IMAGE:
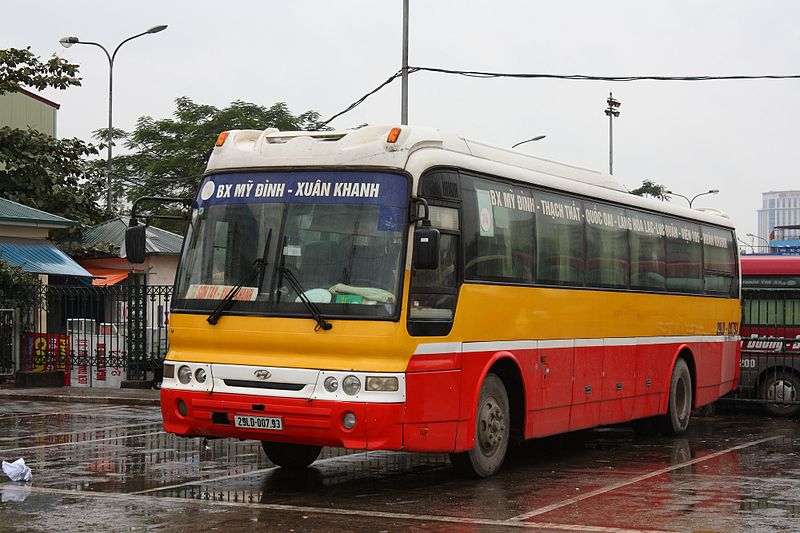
(314, 422)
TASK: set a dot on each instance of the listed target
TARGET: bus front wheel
(294, 456)
(780, 387)
(679, 409)
(492, 423)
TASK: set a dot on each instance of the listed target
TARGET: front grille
(263, 384)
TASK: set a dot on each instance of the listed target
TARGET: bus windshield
(340, 235)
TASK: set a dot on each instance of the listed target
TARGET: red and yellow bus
(770, 332)
(405, 289)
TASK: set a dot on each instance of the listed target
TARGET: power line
(571, 77)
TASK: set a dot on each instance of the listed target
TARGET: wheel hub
(491, 426)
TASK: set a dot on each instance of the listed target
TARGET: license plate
(271, 423)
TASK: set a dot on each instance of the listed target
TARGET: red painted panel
(619, 384)
(430, 437)
(431, 362)
(550, 391)
(433, 396)
(587, 387)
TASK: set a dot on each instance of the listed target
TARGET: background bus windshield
(340, 234)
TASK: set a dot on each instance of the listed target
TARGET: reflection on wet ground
(727, 473)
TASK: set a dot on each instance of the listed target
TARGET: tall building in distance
(779, 209)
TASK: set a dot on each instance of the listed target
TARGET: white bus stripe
(489, 346)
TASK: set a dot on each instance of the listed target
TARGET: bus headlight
(200, 375)
(351, 385)
(381, 383)
(185, 374)
(331, 385)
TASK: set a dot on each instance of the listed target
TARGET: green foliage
(53, 175)
(652, 189)
(19, 67)
(170, 155)
(18, 289)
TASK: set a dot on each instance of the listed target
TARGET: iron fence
(99, 336)
(7, 341)
(770, 362)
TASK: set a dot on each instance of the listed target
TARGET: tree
(50, 174)
(170, 155)
(652, 189)
(35, 169)
(18, 289)
(19, 67)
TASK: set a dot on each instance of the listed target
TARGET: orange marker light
(222, 137)
(393, 135)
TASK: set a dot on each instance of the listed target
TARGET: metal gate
(8, 341)
(770, 364)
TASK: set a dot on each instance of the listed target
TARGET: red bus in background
(770, 363)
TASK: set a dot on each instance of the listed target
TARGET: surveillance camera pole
(612, 111)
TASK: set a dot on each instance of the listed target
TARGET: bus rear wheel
(292, 456)
(780, 386)
(679, 409)
(491, 432)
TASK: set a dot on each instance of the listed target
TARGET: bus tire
(290, 456)
(780, 385)
(679, 408)
(492, 421)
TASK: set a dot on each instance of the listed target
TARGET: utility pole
(612, 111)
(404, 69)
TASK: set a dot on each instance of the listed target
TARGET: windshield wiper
(259, 266)
(301, 294)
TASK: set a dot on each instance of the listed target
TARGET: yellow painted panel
(484, 313)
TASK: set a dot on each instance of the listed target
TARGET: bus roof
(770, 265)
(368, 147)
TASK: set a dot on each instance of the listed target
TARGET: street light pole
(537, 138)
(404, 69)
(611, 111)
(710, 191)
(66, 42)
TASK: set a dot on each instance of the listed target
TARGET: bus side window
(684, 256)
(560, 256)
(719, 261)
(648, 255)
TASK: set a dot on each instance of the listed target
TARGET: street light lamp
(710, 191)
(66, 42)
(753, 236)
(537, 138)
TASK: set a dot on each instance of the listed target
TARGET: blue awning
(39, 257)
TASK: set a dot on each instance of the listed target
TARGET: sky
(736, 136)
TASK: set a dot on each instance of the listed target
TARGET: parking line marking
(77, 442)
(139, 498)
(634, 480)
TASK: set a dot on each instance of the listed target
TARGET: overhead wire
(572, 77)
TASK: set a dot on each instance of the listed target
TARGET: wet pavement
(101, 467)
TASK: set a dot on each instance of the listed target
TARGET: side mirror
(426, 248)
(135, 236)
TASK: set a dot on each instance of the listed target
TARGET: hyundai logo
(262, 374)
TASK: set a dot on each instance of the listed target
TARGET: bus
(770, 360)
(400, 288)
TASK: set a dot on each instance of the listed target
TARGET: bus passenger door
(551, 397)
(587, 387)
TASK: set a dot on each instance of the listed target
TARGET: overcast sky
(736, 136)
